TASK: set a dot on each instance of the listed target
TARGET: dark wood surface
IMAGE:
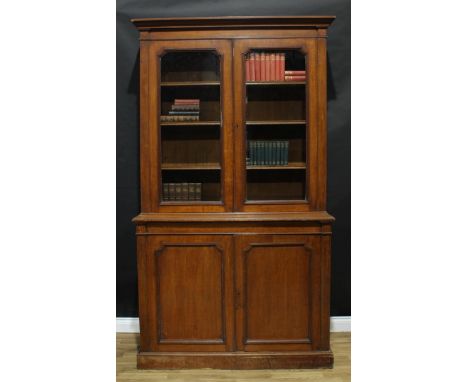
(240, 280)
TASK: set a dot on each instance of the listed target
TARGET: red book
(247, 67)
(294, 72)
(294, 78)
(278, 67)
(257, 66)
(272, 67)
(252, 66)
(262, 66)
(180, 101)
(282, 64)
(267, 66)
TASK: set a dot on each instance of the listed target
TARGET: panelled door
(186, 126)
(186, 293)
(278, 289)
(278, 124)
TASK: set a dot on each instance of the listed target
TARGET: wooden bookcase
(233, 238)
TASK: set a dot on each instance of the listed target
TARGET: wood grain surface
(126, 367)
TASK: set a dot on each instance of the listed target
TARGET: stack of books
(267, 153)
(262, 67)
(183, 110)
(294, 75)
(181, 191)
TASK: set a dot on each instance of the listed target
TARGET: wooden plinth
(235, 360)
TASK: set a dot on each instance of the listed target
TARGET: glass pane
(191, 127)
(275, 91)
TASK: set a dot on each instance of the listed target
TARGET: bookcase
(233, 238)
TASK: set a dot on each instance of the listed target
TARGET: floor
(126, 367)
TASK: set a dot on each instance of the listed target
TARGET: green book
(165, 195)
(286, 152)
(262, 153)
(255, 153)
(268, 153)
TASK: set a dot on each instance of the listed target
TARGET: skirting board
(132, 325)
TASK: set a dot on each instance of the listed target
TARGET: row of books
(181, 191)
(270, 67)
(267, 153)
(183, 110)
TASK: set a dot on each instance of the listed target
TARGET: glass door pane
(190, 127)
(275, 124)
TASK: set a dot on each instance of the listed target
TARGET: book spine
(249, 161)
(257, 66)
(171, 189)
(278, 67)
(179, 118)
(185, 107)
(267, 67)
(268, 153)
(178, 191)
(273, 152)
(294, 78)
(183, 101)
(191, 191)
(272, 66)
(252, 66)
(165, 194)
(183, 112)
(275, 67)
(294, 72)
(281, 153)
(184, 191)
(286, 152)
(247, 68)
(262, 153)
(256, 152)
(197, 191)
(262, 66)
(282, 65)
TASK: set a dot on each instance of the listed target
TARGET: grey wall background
(339, 128)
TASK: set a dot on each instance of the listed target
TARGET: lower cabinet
(233, 294)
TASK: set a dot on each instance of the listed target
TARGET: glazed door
(186, 293)
(279, 85)
(186, 150)
(278, 289)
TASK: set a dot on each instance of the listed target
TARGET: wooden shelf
(191, 123)
(191, 83)
(270, 83)
(190, 166)
(277, 122)
(289, 166)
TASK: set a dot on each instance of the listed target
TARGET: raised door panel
(186, 126)
(278, 290)
(189, 297)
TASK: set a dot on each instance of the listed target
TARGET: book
(282, 65)
(272, 67)
(268, 153)
(178, 191)
(184, 191)
(185, 101)
(191, 191)
(185, 107)
(165, 194)
(183, 112)
(262, 66)
(198, 191)
(267, 67)
(171, 191)
(252, 67)
(294, 72)
(179, 118)
(247, 68)
(262, 153)
(257, 65)
(286, 152)
(294, 78)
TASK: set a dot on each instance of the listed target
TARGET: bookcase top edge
(226, 22)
